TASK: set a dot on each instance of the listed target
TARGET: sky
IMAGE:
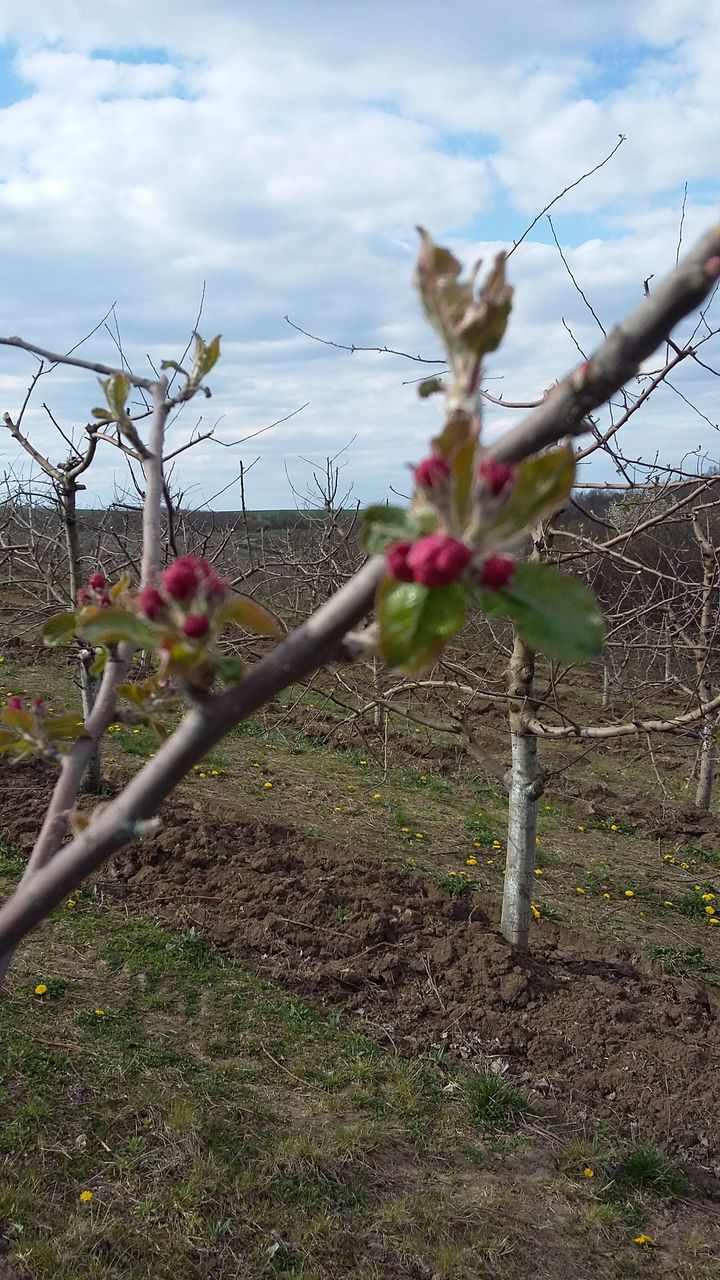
(278, 155)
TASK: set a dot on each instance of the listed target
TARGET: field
(283, 1035)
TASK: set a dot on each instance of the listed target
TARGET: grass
(685, 961)
(225, 1129)
(494, 1103)
(644, 1167)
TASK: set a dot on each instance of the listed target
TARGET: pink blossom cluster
(439, 559)
(95, 593)
(15, 703)
(194, 586)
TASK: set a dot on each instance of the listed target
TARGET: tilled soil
(584, 1022)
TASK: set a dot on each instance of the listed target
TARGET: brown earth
(584, 1023)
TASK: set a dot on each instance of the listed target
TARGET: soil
(584, 1023)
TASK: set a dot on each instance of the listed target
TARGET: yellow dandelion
(496, 844)
(538, 840)
(708, 897)
(423, 777)
(588, 1172)
(202, 775)
(363, 761)
(267, 785)
(713, 919)
(86, 1196)
(405, 829)
(41, 989)
(614, 826)
(579, 889)
(419, 835)
(685, 866)
(70, 902)
(645, 1242)
(667, 903)
(377, 795)
(471, 862)
(214, 773)
(535, 912)
(539, 871)
(489, 862)
(581, 828)
(99, 1013)
(606, 896)
(629, 893)
(709, 911)
(697, 887)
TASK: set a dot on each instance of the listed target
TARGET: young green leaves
(448, 552)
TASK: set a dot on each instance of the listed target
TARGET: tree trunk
(706, 772)
(525, 789)
(522, 832)
(606, 687)
(88, 688)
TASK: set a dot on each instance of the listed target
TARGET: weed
(457, 883)
(682, 960)
(11, 864)
(494, 1103)
(479, 827)
(691, 903)
(644, 1167)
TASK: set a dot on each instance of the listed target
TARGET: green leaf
(385, 525)
(117, 390)
(135, 693)
(99, 663)
(250, 615)
(60, 629)
(542, 484)
(22, 721)
(111, 625)
(462, 467)
(65, 725)
(415, 622)
(553, 614)
(206, 355)
(445, 611)
(230, 670)
(430, 387)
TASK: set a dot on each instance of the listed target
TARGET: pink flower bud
(437, 559)
(180, 579)
(97, 581)
(495, 476)
(397, 554)
(83, 598)
(38, 705)
(151, 603)
(196, 626)
(15, 703)
(216, 587)
(496, 572)
(105, 600)
(432, 474)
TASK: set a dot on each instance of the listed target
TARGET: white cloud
(284, 156)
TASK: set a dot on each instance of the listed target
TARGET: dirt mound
(582, 1021)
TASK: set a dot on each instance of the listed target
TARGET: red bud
(495, 476)
(196, 626)
(496, 572)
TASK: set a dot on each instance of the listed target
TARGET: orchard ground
(283, 1036)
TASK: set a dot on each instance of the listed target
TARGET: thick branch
(564, 410)
(54, 358)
